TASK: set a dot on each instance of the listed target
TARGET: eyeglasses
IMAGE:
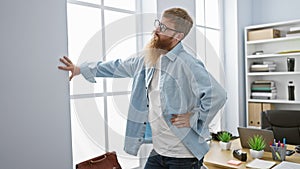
(162, 27)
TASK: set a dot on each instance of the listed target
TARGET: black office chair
(284, 123)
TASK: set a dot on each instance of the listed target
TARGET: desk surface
(217, 158)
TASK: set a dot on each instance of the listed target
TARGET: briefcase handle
(98, 161)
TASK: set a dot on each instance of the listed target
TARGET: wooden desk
(217, 158)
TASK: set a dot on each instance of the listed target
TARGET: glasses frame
(162, 27)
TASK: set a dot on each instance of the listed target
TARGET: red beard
(157, 43)
(155, 48)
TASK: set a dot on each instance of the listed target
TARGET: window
(96, 32)
(209, 43)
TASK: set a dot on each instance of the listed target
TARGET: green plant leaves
(257, 142)
(224, 136)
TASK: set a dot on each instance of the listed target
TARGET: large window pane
(81, 29)
(213, 60)
(200, 44)
(119, 28)
(123, 49)
(80, 32)
(123, 4)
(200, 12)
(117, 107)
(212, 14)
(113, 16)
(88, 137)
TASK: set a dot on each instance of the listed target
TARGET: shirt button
(145, 123)
(140, 139)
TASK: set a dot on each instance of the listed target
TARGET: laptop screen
(246, 133)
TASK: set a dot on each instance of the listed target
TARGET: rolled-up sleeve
(88, 71)
(116, 69)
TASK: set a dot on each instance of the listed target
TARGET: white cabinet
(275, 50)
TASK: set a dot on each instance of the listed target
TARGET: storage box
(263, 34)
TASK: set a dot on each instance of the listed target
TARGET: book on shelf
(264, 82)
(268, 94)
(263, 69)
(265, 62)
(293, 33)
(295, 28)
(263, 85)
(263, 97)
(263, 66)
(263, 90)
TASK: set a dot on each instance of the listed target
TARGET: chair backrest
(283, 123)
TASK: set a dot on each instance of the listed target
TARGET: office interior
(37, 99)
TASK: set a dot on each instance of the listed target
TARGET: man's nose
(157, 29)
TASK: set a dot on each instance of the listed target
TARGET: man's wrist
(76, 70)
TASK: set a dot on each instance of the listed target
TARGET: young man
(171, 90)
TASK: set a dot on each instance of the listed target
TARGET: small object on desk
(240, 155)
(278, 151)
(234, 162)
(260, 52)
(287, 165)
(289, 152)
(297, 149)
(257, 163)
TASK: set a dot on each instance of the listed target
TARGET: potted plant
(257, 144)
(224, 138)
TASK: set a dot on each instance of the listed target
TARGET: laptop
(246, 133)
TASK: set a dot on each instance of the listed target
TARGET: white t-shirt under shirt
(164, 141)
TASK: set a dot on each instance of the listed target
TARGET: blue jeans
(156, 161)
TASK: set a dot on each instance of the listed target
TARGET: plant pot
(225, 145)
(256, 154)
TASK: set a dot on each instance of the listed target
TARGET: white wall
(34, 107)
(267, 11)
(230, 115)
(237, 15)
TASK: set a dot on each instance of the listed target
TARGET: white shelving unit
(276, 50)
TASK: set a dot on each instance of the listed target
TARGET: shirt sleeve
(116, 69)
(211, 97)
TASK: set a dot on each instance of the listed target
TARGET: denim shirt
(185, 86)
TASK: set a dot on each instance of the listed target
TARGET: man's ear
(179, 36)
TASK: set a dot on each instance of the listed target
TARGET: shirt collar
(172, 54)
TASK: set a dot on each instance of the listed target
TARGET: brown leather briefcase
(106, 161)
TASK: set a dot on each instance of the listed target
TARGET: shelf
(273, 40)
(276, 50)
(272, 55)
(272, 73)
(274, 101)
